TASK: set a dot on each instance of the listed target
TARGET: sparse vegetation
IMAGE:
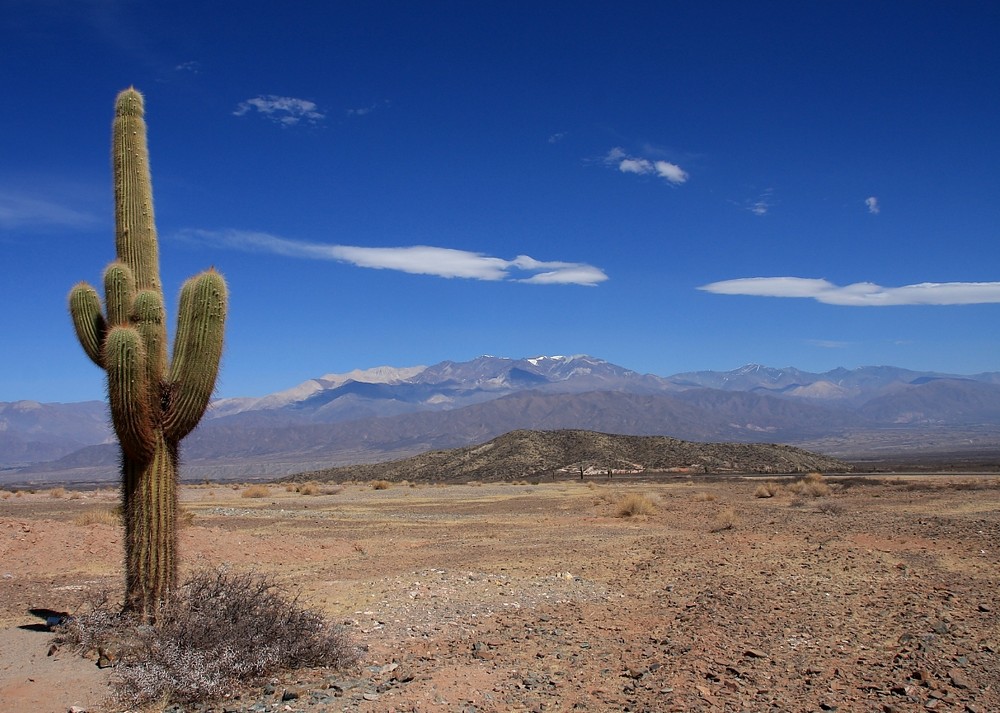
(635, 504)
(217, 631)
(703, 497)
(57, 492)
(380, 485)
(256, 491)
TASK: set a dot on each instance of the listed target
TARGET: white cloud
(286, 111)
(365, 110)
(21, 211)
(671, 172)
(193, 67)
(861, 294)
(415, 259)
(557, 137)
(828, 343)
(873, 206)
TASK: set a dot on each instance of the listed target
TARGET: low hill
(526, 454)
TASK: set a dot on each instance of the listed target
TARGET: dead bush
(831, 507)
(381, 485)
(57, 492)
(703, 497)
(216, 632)
(256, 491)
(309, 488)
(635, 504)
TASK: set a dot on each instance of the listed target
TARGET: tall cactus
(154, 401)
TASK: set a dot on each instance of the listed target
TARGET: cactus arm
(197, 352)
(128, 392)
(119, 293)
(85, 309)
(135, 234)
(148, 317)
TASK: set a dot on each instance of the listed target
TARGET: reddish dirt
(881, 596)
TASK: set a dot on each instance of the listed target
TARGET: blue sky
(669, 186)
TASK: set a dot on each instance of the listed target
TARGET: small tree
(155, 400)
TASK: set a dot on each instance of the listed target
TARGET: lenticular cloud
(861, 294)
(413, 259)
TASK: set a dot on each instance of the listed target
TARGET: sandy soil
(882, 596)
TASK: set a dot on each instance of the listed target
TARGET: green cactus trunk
(150, 491)
(154, 402)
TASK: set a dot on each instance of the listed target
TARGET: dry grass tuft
(767, 490)
(727, 519)
(703, 497)
(381, 485)
(635, 504)
(57, 492)
(100, 516)
(256, 491)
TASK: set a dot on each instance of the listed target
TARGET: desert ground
(881, 595)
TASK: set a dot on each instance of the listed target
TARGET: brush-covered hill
(524, 454)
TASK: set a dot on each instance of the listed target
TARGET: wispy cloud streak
(873, 206)
(415, 259)
(861, 294)
(21, 211)
(287, 111)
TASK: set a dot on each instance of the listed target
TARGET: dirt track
(879, 596)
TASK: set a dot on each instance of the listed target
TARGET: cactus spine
(154, 401)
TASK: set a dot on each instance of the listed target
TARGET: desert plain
(869, 593)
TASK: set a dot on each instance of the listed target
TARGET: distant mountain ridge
(388, 412)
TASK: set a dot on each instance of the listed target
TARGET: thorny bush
(217, 631)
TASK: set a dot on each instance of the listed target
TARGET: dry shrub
(831, 507)
(57, 492)
(214, 633)
(381, 485)
(635, 504)
(815, 486)
(4, 494)
(293, 488)
(725, 520)
(100, 516)
(309, 488)
(703, 497)
(256, 491)
(767, 490)
(184, 517)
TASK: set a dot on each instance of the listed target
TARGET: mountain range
(385, 413)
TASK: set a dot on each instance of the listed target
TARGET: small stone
(755, 654)
(370, 696)
(959, 679)
(289, 694)
(77, 709)
(985, 608)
